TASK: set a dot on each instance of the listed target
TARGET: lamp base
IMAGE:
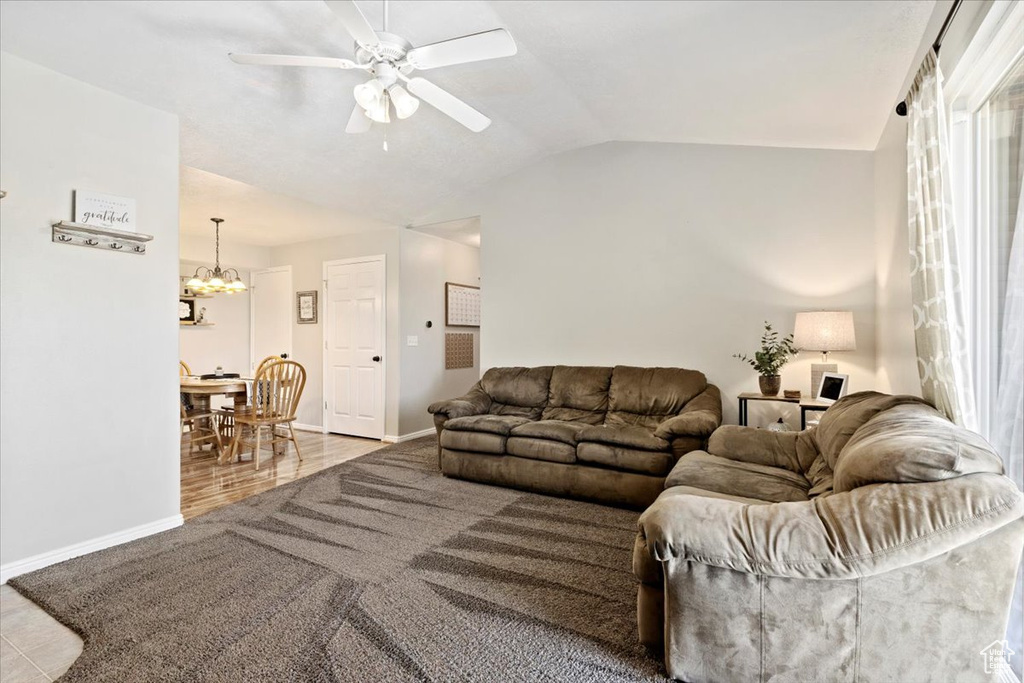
(817, 369)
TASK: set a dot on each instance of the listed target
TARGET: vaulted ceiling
(792, 73)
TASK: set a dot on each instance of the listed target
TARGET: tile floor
(34, 647)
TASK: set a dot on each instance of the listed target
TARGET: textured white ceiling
(254, 215)
(462, 230)
(798, 74)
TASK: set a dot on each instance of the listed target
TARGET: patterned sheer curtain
(939, 324)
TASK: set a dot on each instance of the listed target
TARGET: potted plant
(769, 360)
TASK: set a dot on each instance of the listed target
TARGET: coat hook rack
(79, 234)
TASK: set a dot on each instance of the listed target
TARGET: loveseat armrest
(475, 402)
(698, 418)
(866, 531)
(794, 451)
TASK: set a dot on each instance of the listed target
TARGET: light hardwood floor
(206, 486)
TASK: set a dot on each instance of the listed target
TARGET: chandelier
(216, 281)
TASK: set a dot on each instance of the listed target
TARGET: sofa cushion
(702, 470)
(623, 458)
(517, 391)
(475, 442)
(648, 396)
(848, 414)
(910, 444)
(540, 449)
(638, 438)
(554, 430)
(492, 424)
(579, 394)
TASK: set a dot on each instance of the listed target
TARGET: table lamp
(824, 331)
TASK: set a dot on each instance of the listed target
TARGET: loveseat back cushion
(517, 391)
(911, 443)
(701, 470)
(578, 394)
(850, 413)
(647, 396)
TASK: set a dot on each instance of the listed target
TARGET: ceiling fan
(390, 60)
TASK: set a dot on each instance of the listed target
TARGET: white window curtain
(1008, 421)
(939, 324)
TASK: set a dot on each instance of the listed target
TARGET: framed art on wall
(461, 305)
(306, 308)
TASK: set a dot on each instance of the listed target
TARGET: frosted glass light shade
(824, 331)
(405, 104)
(368, 94)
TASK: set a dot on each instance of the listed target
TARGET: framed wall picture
(832, 387)
(461, 305)
(186, 310)
(104, 210)
(305, 307)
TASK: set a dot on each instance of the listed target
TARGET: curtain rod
(901, 108)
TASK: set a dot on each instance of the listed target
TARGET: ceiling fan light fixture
(368, 94)
(405, 104)
(380, 112)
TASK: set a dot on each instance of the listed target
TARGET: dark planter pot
(770, 385)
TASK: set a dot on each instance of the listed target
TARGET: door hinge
(325, 405)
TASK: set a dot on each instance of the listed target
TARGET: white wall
(199, 249)
(88, 339)
(666, 254)
(896, 371)
(427, 262)
(306, 260)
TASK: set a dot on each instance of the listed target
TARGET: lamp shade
(824, 331)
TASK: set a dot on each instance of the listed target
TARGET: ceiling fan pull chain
(387, 117)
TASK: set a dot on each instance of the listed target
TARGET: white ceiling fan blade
(354, 21)
(294, 60)
(359, 122)
(449, 104)
(472, 48)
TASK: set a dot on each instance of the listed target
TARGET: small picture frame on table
(306, 308)
(832, 387)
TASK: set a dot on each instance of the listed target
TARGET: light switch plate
(412, 340)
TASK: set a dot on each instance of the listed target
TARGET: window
(986, 101)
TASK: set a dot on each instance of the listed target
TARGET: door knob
(376, 359)
(284, 356)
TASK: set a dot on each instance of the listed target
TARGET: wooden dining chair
(281, 383)
(227, 414)
(201, 421)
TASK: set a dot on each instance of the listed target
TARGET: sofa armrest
(475, 402)
(866, 531)
(794, 451)
(700, 417)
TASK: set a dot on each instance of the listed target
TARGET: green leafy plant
(773, 355)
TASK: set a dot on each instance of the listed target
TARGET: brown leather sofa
(597, 433)
(881, 545)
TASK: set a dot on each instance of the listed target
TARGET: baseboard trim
(30, 564)
(309, 428)
(409, 437)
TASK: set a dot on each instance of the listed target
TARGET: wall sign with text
(104, 210)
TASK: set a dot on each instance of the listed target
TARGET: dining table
(200, 390)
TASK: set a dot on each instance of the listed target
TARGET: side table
(806, 405)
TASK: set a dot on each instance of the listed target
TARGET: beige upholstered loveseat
(880, 546)
(597, 433)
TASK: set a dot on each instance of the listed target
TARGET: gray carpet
(378, 569)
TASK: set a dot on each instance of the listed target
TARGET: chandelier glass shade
(215, 280)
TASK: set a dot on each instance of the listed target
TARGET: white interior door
(271, 325)
(354, 347)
